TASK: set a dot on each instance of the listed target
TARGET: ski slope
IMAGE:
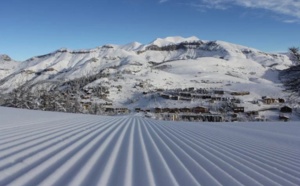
(44, 148)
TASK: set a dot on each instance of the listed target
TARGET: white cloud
(284, 7)
(163, 1)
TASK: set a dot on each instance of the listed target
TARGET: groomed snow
(44, 148)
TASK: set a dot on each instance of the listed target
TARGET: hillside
(75, 149)
(130, 75)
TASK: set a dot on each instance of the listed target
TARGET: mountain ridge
(128, 71)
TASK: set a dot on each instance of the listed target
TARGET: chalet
(185, 94)
(200, 110)
(234, 100)
(213, 118)
(173, 110)
(108, 103)
(122, 110)
(216, 98)
(238, 109)
(165, 96)
(165, 110)
(225, 99)
(281, 100)
(191, 89)
(175, 97)
(202, 91)
(268, 100)
(234, 115)
(109, 109)
(283, 117)
(240, 93)
(286, 109)
(253, 113)
(221, 92)
(186, 110)
(158, 110)
(197, 96)
(206, 97)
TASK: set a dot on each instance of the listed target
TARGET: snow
(48, 148)
(172, 40)
(212, 65)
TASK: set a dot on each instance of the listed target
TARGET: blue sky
(34, 27)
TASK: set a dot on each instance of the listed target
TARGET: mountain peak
(172, 40)
(132, 46)
(4, 57)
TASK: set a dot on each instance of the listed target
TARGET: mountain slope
(7, 65)
(125, 74)
(66, 64)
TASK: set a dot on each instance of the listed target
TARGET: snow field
(44, 148)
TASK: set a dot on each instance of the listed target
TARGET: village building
(283, 117)
(185, 94)
(221, 92)
(269, 101)
(158, 110)
(205, 118)
(165, 110)
(286, 109)
(238, 109)
(122, 110)
(175, 97)
(216, 98)
(240, 93)
(202, 91)
(159, 90)
(186, 110)
(197, 96)
(109, 110)
(173, 110)
(281, 100)
(200, 110)
(253, 113)
(206, 97)
(165, 96)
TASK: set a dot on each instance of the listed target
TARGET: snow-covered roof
(44, 148)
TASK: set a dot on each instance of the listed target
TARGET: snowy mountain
(130, 70)
(67, 64)
(7, 65)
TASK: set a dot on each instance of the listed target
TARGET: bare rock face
(5, 58)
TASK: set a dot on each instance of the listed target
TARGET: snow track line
(41, 132)
(43, 156)
(89, 150)
(172, 159)
(264, 149)
(193, 164)
(94, 165)
(218, 162)
(257, 155)
(207, 144)
(55, 137)
(65, 155)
